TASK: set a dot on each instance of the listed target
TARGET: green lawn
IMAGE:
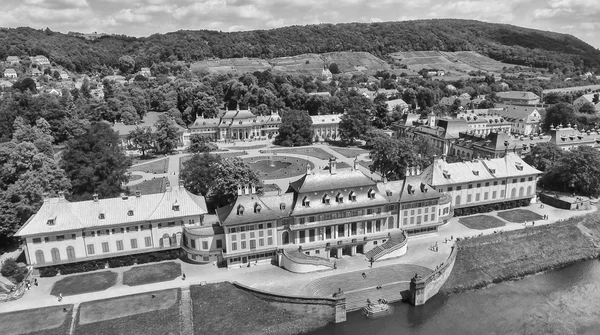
(224, 309)
(481, 222)
(134, 314)
(153, 273)
(159, 166)
(86, 283)
(152, 186)
(313, 152)
(519, 215)
(365, 164)
(41, 321)
(135, 177)
(349, 152)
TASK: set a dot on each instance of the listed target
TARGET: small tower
(332, 165)
(431, 119)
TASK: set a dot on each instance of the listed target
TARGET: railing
(344, 220)
(301, 258)
(389, 246)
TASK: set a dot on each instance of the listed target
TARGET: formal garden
(152, 186)
(153, 273)
(275, 167)
(519, 215)
(349, 152)
(55, 320)
(481, 222)
(304, 151)
(85, 283)
(152, 313)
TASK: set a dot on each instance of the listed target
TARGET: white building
(10, 73)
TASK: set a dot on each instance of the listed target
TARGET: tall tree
(543, 156)
(198, 144)
(166, 134)
(559, 114)
(295, 129)
(391, 157)
(577, 171)
(353, 125)
(142, 139)
(95, 163)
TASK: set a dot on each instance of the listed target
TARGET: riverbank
(512, 255)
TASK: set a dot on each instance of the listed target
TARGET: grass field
(159, 166)
(86, 283)
(312, 152)
(519, 215)
(499, 257)
(450, 62)
(349, 152)
(138, 314)
(223, 309)
(152, 186)
(40, 321)
(481, 222)
(153, 273)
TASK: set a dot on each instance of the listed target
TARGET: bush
(48, 272)
(9, 267)
(19, 278)
(491, 207)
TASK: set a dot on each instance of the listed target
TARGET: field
(223, 309)
(460, 62)
(152, 186)
(153, 273)
(159, 166)
(134, 314)
(307, 64)
(275, 167)
(86, 283)
(511, 255)
(481, 222)
(41, 321)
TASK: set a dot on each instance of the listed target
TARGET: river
(566, 301)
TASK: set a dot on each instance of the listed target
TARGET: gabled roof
(318, 181)
(238, 115)
(414, 189)
(244, 209)
(86, 214)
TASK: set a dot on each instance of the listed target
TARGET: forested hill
(502, 42)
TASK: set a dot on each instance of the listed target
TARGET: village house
(495, 145)
(10, 73)
(518, 98)
(41, 60)
(12, 60)
(592, 98)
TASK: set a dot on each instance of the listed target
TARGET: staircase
(394, 243)
(301, 258)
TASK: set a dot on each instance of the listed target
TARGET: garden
(152, 313)
(86, 283)
(519, 216)
(349, 152)
(159, 166)
(152, 186)
(275, 167)
(305, 151)
(55, 320)
(481, 222)
(13, 271)
(154, 273)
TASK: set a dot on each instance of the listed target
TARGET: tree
(334, 68)
(142, 139)
(95, 163)
(391, 157)
(587, 108)
(596, 98)
(559, 114)
(166, 134)
(199, 174)
(126, 64)
(295, 129)
(353, 125)
(25, 84)
(577, 171)
(543, 156)
(198, 144)
(56, 75)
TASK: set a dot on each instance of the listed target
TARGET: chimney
(138, 193)
(418, 170)
(124, 196)
(181, 184)
(239, 190)
(246, 189)
(45, 196)
(407, 172)
(253, 189)
(332, 165)
(356, 163)
(95, 197)
(61, 195)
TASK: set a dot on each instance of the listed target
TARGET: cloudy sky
(145, 17)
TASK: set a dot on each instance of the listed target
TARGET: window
(477, 197)
(326, 199)
(243, 236)
(105, 247)
(339, 198)
(487, 184)
(371, 194)
(205, 245)
(301, 220)
(252, 235)
(252, 244)
(378, 225)
(270, 224)
(485, 196)
(261, 233)
(243, 245)
(261, 242)
(219, 244)
(370, 211)
(205, 259)
(46, 239)
(391, 207)
(233, 238)
(302, 235)
(51, 222)
(158, 226)
(119, 245)
(101, 216)
(514, 181)
(73, 236)
(404, 221)
(261, 226)
(60, 237)
(458, 188)
(192, 243)
(130, 212)
(478, 185)
(450, 189)
(55, 255)
(305, 202)
(493, 194)
(432, 216)
(176, 207)
(171, 224)
(233, 246)
(148, 241)
(70, 253)
(134, 243)
(502, 194)
(352, 196)
(90, 249)
(504, 182)
(311, 219)
(270, 241)
(530, 179)
(470, 186)
(495, 183)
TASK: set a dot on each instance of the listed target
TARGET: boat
(378, 310)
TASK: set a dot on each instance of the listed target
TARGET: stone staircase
(356, 300)
(392, 244)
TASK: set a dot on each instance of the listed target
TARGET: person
(59, 297)
(35, 282)
(371, 260)
(183, 277)
(364, 275)
(533, 223)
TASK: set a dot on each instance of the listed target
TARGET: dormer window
(371, 194)
(240, 210)
(492, 170)
(101, 216)
(519, 166)
(352, 196)
(257, 208)
(446, 174)
(475, 172)
(326, 199)
(282, 206)
(339, 198)
(305, 202)
(176, 207)
(130, 212)
(51, 221)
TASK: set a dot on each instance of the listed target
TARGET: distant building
(326, 127)
(323, 94)
(518, 98)
(36, 72)
(145, 71)
(495, 145)
(56, 92)
(10, 73)
(149, 121)
(480, 123)
(12, 60)
(63, 75)
(587, 98)
(570, 137)
(524, 120)
(399, 104)
(41, 60)
(326, 74)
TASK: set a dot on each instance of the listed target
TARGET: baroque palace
(323, 216)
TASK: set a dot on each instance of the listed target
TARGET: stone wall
(422, 289)
(565, 204)
(332, 309)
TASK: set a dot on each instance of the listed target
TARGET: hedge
(115, 262)
(491, 207)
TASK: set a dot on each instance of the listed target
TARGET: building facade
(518, 98)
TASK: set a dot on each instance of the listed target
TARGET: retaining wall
(331, 309)
(422, 289)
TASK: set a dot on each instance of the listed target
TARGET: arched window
(39, 257)
(285, 237)
(70, 253)
(457, 202)
(521, 191)
(513, 193)
(528, 190)
(55, 255)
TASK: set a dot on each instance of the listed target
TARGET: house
(440, 133)
(495, 145)
(145, 71)
(12, 60)
(481, 123)
(397, 104)
(55, 92)
(63, 75)
(97, 94)
(326, 74)
(518, 98)
(5, 84)
(524, 120)
(323, 94)
(10, 73)
(588, 98)
(326, 127)
(36, 72)
(570, 137)
(483, 181)
(66, 232)
(41, 60)
(391, 93)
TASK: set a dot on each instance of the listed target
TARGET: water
(566, 301)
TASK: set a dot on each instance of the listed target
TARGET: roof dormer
(175, 206)
(240, 210)
(339, 198)
(326, 199)
(371, 194)
(305, 202)
(257, 208)
(51, 221)
(352, 196)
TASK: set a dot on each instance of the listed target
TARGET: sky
(145, 17)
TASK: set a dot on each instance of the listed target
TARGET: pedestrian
(59, 297)
(35, 282)
(364, 275)
(533, 223)
(183, 277)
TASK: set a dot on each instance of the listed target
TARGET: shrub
(9, 267)
(19, 278)
(48, 272)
